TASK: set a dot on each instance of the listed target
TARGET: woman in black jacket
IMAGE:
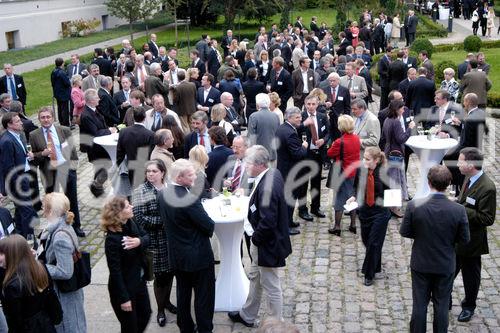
(124, 247)
(373, 216)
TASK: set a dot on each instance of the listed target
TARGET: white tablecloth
(109, 143)
(430, 153)
(231, 288)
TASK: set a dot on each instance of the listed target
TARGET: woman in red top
(77, 97)
(349, 162)
(355, 33)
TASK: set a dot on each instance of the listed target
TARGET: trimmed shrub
(472, 43)
(421, 44)
(438, 72)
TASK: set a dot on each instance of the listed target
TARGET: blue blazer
(216, 160)
(61, 85)
(212, 98)
(13, 156)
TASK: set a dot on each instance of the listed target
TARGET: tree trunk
(131, 31)
(175, 27)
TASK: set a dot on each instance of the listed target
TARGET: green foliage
(421, 44)
(262, 10)
(472, 43)
(80, 28)
(427, 28)
(441, 66)
(487, 44)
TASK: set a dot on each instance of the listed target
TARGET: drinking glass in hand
(30, 238)
(304, 137)
(420, 130)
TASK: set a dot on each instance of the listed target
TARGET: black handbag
(336, 168)
(82, 271)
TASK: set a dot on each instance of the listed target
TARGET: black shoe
(318, 213)
(335, 232)
(217, 262)
(368, 282)
(96, 190)
(171, 308)
(352, 229)
(293, 232)
(79, 232)
(306, 216)
(161, 319)
(465, 315)
(294, 224)
(235, 317)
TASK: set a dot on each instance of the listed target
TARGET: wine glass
(30, 238)
(420, 130)
(452, 114)
(28, 148)
(304, 137)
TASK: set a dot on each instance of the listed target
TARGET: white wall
(40, 21)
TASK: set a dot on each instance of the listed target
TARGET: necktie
(465, 187)
(12, 88)
(96, 84)
(370, 189)
(51, 146)
(442, 113)
(334, 97)
(75, 69)
(314, 132)
(202, 139)
(126, 95)
(349, 85)
(277, 75)
(236, 177)
(157, 123)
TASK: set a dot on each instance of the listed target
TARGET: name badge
(479, 69)
(280, 83)
(340, 98)
(408, 119)
(253, 208)
(323, 128)
(310, 79)
(211, 100)
(448, 121)
(64, 144)
(10, 228)
(356, 88)
(409, 65)
(470, 201)
(19, 85)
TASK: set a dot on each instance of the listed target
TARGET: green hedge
(427, 28)
(489, 44)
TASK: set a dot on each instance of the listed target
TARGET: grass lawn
(492, 57)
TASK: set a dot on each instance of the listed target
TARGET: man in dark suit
(61, 88)
(135, 144)
(427, 64)
(203, 48)
(397, 71)
(268, 217)
(281, 82)
(251, 88)
(6, 223)
(121, 98)
(153, 47)
(13, 84)
(188, 229)
(441, 114)
(290, 152)
(196, 62)
(107, 107)
(338, 101)
(199, 134)
(409, 61)
(384, 79)
(76, 67)
(214, 59)
(286, 53)
(420, 93)
(105, 67)
(217, 158)
(344, 43)
(207, 95)
(226, 42)
(315, 127)
(411, 75)
(184, 99)
(464, 67)
(304, 80)
(432, 256)
(92, 124)
(474, 123)
(478, 196)
(14, 178)
(364, 72)
(411, 27)
(55, 154)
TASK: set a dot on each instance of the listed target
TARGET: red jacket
(352, 146)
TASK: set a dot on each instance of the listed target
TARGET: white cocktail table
(109, 143)
(231, 287)
(430, 153)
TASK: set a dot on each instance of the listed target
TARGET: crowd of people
(227, 123)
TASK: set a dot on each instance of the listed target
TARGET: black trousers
(63, 112)
(20, 193)
(427, 286)
(313, 156)
(411, 38)
(471, 276)
(136, 320)
(373, 229)
(66, 178)
(203, 284)
(384, 97)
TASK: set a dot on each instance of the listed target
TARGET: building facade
(25, 23)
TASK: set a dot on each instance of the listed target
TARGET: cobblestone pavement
(322, 283)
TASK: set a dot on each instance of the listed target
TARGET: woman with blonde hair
(373, 216)
(199, 157)
(240, 54)
(124, 246)
(192, 75)
(60, 243)
(320, 94)
(77, 97)
(355, 33)
(264, 67)
(217, 117)
(274, 106)
(27, 289)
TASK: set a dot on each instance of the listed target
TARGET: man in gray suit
(355, 83)
(93, 81)
(262, 125)
(367, 125)
(433, 254)
(76, 67)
